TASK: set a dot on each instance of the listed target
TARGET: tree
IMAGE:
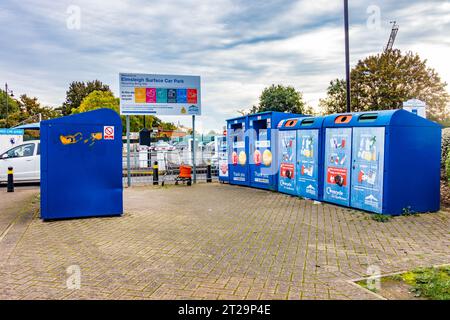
(30, 108)
(78, 91)
(282, 99)
(27, 109)
(12, 108)
(385, 81)
(105, 99)
(335, 102)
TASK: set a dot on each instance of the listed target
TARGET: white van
(25, 160)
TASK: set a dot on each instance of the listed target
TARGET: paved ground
(215, 241)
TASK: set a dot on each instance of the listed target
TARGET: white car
(163, 146)
(25, 160)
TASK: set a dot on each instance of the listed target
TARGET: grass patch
(363, 283)
(380, 217)
(431, 283)
(408, 212)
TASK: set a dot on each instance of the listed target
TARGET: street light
(7, 92)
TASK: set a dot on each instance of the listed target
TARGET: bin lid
(300, 123)
(397, 117)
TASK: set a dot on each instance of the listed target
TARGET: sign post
(156, 94)
(128, 152)
(194, 165)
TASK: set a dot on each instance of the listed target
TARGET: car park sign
(155, 94)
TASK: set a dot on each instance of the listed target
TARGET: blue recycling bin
(81, 166)
(237, 145)
(300, 153)
(386, 162)
(263, 144)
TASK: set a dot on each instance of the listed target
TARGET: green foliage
(380, 217)
(13, 107)
(105, 99)
(406, 212)
(385, 81)
(78, 90)
(335, 102)
(432, 283)
(27, 109)
(447, 167)
(445, 145)
(281, 98)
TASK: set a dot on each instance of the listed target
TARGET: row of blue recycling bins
(386, 162)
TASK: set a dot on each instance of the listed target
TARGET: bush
(447, 167)
(445, 146)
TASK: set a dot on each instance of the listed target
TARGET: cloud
(238, 47)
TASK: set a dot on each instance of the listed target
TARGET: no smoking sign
(108, 132)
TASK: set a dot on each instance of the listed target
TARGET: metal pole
(347, 55)
(7, 111)
(194, 166)
(128, 152)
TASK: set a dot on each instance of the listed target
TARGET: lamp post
(347, 55)
(7, 92)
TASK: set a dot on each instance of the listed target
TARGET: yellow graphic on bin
(242, 158)
(267, 157)
(71, 139)
(94, 137)
(139, 95)
(77, 137)
(183, 110)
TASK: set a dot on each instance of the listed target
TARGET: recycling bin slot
(291, 123)
(259, 124)
(307, 122)
(343, 119)
(367, 117)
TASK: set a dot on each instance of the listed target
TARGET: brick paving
(214, 241)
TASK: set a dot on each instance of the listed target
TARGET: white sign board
(416, 106)
(155, 94)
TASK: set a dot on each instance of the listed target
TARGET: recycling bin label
(262, 158)
(239, 156)
(367, 168)
(338, 143)
(308, 163)
(287, 147)
(223, 158)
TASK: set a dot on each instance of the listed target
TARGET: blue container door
(337, 161)
(287, 146)
(262, 167)
(238, 155)
(222, 158)
(367, 168)
(308, 163)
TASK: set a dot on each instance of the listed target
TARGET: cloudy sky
(237, 47)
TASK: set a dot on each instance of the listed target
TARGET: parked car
(25, 160)
(163, 146)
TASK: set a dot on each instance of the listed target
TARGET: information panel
(338, 143)
(156, 94)
(238, 155)
(262, 157)
(287, 147)
(308, 163)
(222, 157)
(368, 166)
